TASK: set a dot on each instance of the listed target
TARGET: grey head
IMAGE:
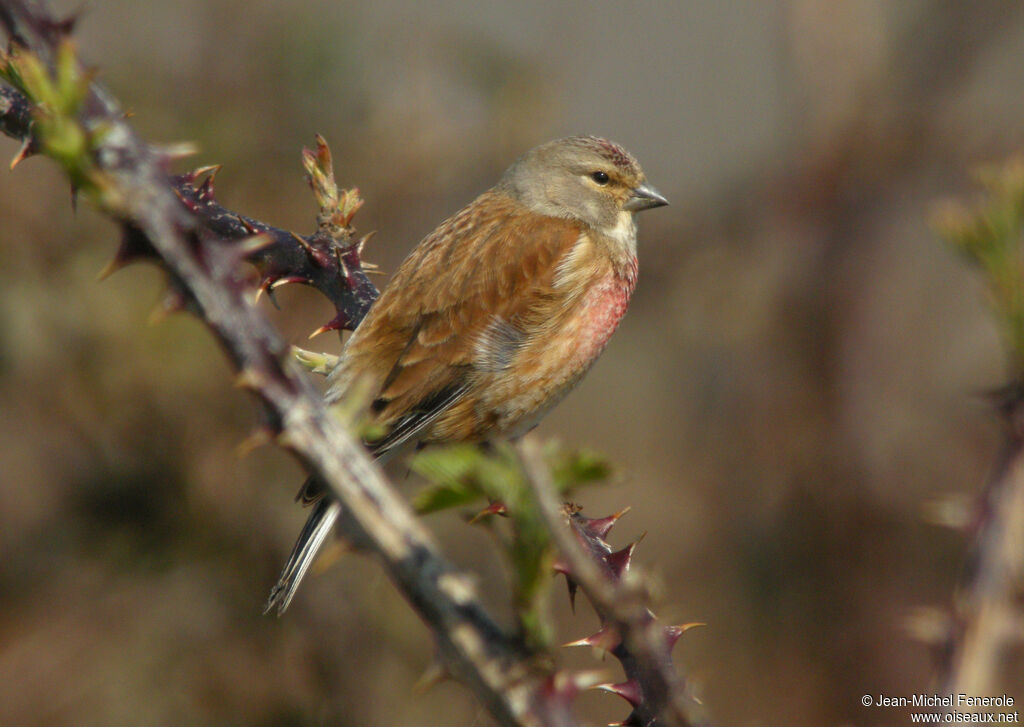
(582, 178)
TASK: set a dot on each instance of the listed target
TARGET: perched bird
(496, 315)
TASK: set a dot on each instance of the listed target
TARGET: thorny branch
(629, 630)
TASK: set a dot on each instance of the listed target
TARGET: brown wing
(485, 274)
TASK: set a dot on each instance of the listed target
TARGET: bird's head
(583, 178)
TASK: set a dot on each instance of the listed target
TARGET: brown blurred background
(795, 382)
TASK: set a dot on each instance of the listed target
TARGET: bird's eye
(600, 177)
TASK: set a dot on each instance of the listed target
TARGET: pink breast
(603, 307)
(554, 365)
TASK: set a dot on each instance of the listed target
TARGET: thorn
(560, 566)
(336, 323)
(305, 245)
(27, 149)
(273, 299)
(116, 263)
(288, 440)
(604, 640)
(269, 285)
(172, 302)
(205, 190)
(265, 288)
(249, 227)
(434, 674)
(174, 152)
(157, 315)
(189, 204)
(210, 169)
(110, 268)
(259, 438)
(629, 690)
(672, 633)
(250, 379)
(131, 248)
(495, 508)
(343, 267)
(362, 243)
(568, 684)
(254, 243)
(585, 641)
(620, 560)
(289, 280)
(600, 527)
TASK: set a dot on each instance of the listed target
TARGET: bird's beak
(644, 197)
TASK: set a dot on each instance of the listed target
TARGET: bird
(494, 316)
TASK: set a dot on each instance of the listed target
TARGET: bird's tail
(318, 526)
(326, 510)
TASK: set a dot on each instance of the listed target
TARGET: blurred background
(795, 387)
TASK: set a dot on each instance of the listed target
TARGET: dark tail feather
(326, 509)
(318, 526)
